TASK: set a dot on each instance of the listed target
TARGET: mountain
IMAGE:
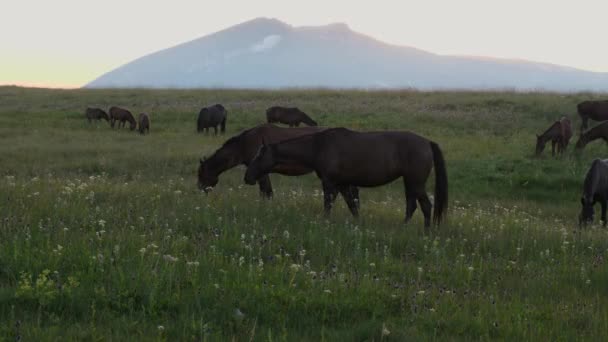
(267, 53)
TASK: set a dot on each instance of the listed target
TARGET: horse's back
(212, 115)
(386, 154)
(597, 110)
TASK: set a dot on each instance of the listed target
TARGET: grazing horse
(144, 123)
(212, 116)
(559, 133)
(594, 110)
(122, 115)
(96, 114)
(291, 116)
(241, 149)
(598, 132)
(595, 189)
(343, 158)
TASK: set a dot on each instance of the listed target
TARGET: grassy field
(104, 235)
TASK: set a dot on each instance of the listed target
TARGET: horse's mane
(236, 138)
(596, 128)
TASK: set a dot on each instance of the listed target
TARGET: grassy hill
(104, 235)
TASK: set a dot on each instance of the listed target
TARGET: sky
(67, 43)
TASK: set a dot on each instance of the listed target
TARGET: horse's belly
(291, 170)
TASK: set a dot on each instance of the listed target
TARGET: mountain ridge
(268, 53)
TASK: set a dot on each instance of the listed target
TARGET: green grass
(103, 234)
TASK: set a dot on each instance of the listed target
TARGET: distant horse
(96, 114)
(291, 116)
(144, 123)
(598, 132)
(343, 158)
(594, 110)
(595, 189)
(559, 133)
(241, 149)
(212, 116)
(122, 115)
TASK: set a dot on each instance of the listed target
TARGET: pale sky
(67, 43)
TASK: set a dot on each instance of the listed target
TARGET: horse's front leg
(603, 204)
(265, 187)
(553, 148)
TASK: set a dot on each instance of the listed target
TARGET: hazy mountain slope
(266, 53)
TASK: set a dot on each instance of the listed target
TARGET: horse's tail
(441, 184)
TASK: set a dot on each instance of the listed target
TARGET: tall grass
(103, 234)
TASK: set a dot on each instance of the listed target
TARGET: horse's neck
(298, 150)
(597, 181)
(594, 133)
(554, 130)
(221, 162)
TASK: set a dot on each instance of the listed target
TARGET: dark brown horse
(559, 134)
(343, 158)
(241, 149)
(595, 189)
(598, 132)
(212, 116)
(122, 116)
(96, 114)
(594, 110)
(291, 116)
(144, 123)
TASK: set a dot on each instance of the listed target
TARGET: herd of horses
(342, 159)
(120, 115)
(595, 186)
(345, 160)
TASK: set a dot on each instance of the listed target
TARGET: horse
(212, 116)
(144, 123)
(241, 149)
(594, 110)
(96, 114)
(343, 158)
(598, 132)
(595, 189)
(291, 116)
(122, 115)
(559, 133)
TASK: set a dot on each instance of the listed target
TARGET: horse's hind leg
(410, 202)
(425, 205)
(351, 197)
(265, 187)
(329, 195)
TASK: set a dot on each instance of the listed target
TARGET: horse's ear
(537, 136)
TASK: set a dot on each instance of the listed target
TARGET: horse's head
(540, 144)
(587, 212)
(261, 164)
(206, 180)
(133, 125)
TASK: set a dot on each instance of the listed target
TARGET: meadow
(105, 236)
